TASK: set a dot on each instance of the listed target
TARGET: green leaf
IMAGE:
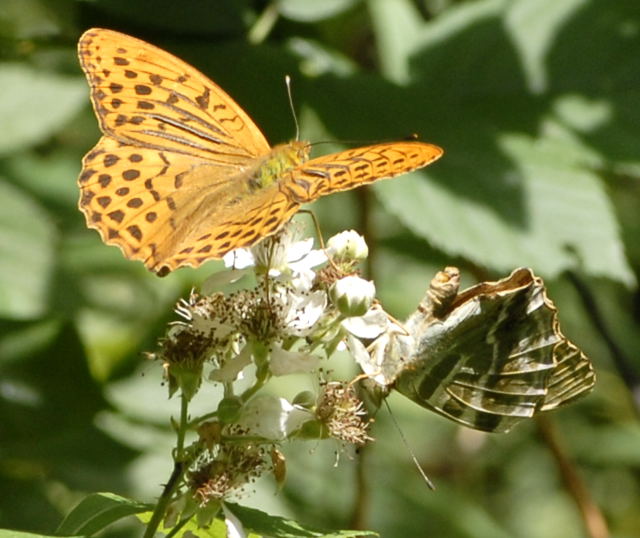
(224, 17)
(35, 104)
(264, 524)
(467, 52)
(6, 533)
(26, 255)
(539, 211)
(257, 523)
(96, 511)
(312, 10)
(396, 24)
(50, 177)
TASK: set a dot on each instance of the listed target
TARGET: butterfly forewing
(144, 95)
(359, 166)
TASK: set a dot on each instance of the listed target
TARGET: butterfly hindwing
(495, 357)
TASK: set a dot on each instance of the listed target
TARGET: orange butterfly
(183, 175)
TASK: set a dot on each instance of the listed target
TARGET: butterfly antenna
(406, 444)
(320, 238)
(287, 81)
(316, 226)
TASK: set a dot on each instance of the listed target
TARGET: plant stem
(182, 428)
(259, 383)
(163, 501)
(179, 468)
(593, 519)
(178, 526)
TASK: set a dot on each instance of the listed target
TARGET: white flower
(240, 258)
(302, 310)
(347, 245)
(231, 369)
(352, 295)
(273, 418)
(372, 324)
(284, 256)
(284, 362)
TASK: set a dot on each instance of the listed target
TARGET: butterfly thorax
(275, 165)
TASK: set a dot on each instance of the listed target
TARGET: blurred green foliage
(537, 104)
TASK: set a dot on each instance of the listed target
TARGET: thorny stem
(362, 499)
(179, 467)
(167, 493)
(361, 506)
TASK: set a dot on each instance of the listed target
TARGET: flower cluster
(302, 306)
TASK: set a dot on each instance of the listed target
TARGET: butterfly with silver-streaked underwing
(487, 357)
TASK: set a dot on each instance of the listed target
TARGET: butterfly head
(296, 152)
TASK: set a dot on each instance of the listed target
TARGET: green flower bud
(229, 409)
(352, 295)
(305, 399)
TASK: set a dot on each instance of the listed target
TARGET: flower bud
(305, 399)
(348, 246)
(186, 376)
(352, 295)
(229, 409)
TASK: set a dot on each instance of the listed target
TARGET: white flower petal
(371, 325)
(299, 249)
(361, 355)
(235, 529)
(220, 279)
(304, 311)
(302, 281)
(239, 258)
(273, 418)
(232, 368)
(311, 259)
(285, 362)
